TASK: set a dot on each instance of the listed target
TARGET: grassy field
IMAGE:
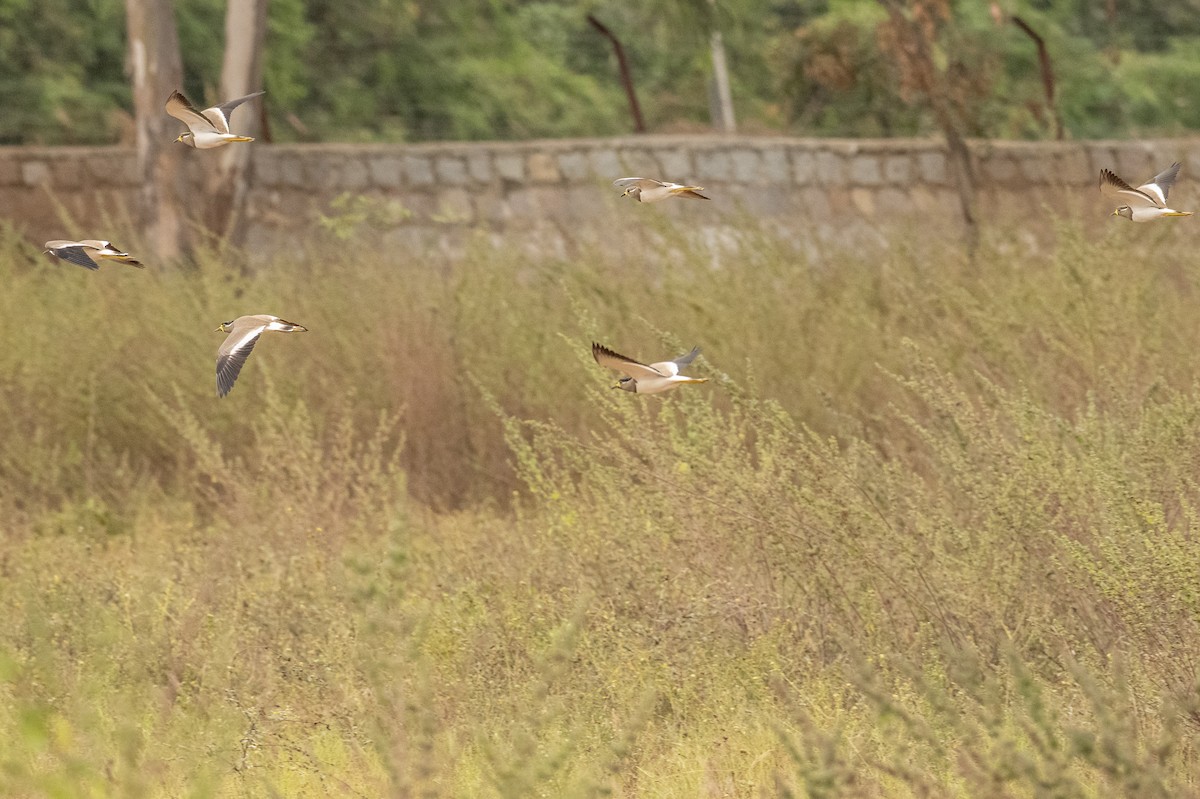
(931, 530)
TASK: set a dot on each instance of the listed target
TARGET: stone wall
(557, 193)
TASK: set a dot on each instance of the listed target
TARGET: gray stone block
(804, 166)
(605, 162)
(35, 173)
(775, 167)
(831, 168)
(450, 170)
(640, 163)
(865, 171)
(574, 167)
(674, 164)
(747, 166)
(765, 201)
(511, 166)
(897, 169)
(521, 204)
(931, 168)
(418, 170)
(584, 203)
(1037, 168)
(714, 166)
(479, 167)
(352, 174)
(386, 172)
(999, 169)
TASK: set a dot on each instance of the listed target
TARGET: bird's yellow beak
(616, 384)
(625, 193)
(1116, 212)
(220, 329)
(179, 138)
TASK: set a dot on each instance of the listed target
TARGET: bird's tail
(690, 191)
(125, 259)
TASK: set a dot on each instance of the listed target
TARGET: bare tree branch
(639, 124)
(1047, 74)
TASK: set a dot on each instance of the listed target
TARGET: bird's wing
(674, 367)
(219, 115)
(179, 107)
(1159, 186)
(75, 253)
(613, 360)
(233, 353)
(690, 192)
(685, 360)
(641, 183)
(1111, 184)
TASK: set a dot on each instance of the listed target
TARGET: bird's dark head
(633, 191)
(626, 384)
(225, 327)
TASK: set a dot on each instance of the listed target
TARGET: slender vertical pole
(723, 119)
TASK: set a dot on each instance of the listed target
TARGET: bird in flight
(643, 378)
(243, 335)
(86, 253)
(208, 128)
(1148, 201)
(649, 190)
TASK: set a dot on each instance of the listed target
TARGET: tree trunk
(914, 55)
(156, 70)
(241, 74)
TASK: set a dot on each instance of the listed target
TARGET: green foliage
(929, 530)
(61, 75)
(392, 70)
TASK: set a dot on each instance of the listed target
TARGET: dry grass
(931, 531)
